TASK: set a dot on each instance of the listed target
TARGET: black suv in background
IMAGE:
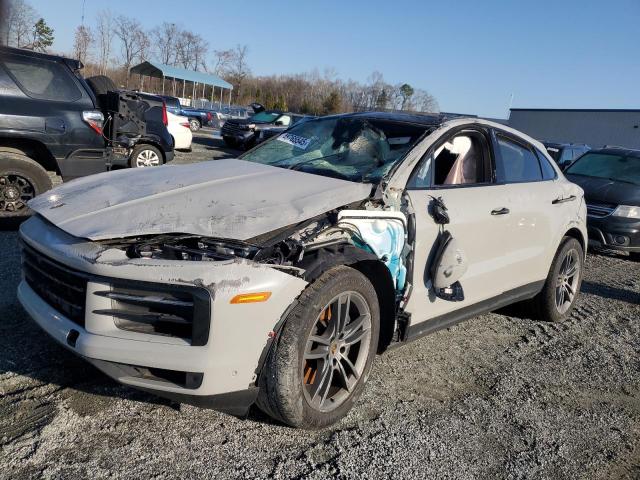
(244, 132)
(51, 121)
(610, 178)
(565, 153)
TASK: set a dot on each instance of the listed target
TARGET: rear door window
(517, 162)
(43, 79)
(548, 172)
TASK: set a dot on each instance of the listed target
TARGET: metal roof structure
(160, 70)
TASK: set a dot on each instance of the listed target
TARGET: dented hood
(224, 198)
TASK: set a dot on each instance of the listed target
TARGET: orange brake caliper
(310, 372)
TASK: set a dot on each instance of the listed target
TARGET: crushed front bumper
(219, 372)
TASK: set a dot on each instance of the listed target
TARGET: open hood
(231, 198)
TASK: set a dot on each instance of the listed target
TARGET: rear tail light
(209, 116)
(94, 119)
(185, 124)
(165, 119)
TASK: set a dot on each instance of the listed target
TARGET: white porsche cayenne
(277, 277)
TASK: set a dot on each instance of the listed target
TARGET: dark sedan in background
(610, 179)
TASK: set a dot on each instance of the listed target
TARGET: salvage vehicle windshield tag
(299, 142)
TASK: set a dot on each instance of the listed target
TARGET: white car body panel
(236, 199)
(228, 366)
(182, 135)
(225, 199)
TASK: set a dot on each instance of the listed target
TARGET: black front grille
(62, 288)
(230, 128)
(600, 210)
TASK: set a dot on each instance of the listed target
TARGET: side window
(462, 160)
(548, 172)
(43, 79)
(421, 177)
(517, 162)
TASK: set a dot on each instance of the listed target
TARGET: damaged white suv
(275, 278)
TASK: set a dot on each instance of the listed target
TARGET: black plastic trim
(201, 296)
(449, 319)
(234, 403)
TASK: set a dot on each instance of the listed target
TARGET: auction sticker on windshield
(295, 140)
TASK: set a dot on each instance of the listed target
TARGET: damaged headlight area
(197, 248)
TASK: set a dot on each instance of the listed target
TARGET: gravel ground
(499, 396)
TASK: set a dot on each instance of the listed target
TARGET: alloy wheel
(567, 281)
(15, 192)
(336, 351)
(147, 158)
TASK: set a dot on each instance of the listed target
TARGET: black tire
(138, 149)
(23, 175)
(635, 256)
(544, 304)
(249, 144)
(281, 381)
(230, 142)
(194, 124)
(101, 84)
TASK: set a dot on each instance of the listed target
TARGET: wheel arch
(33, 149)
(578, 235)
(380, 277)
(372, 268)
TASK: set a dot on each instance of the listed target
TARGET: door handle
(563, 200)
(500, 211)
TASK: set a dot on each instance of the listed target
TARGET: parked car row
(53, 120)
(245, 133)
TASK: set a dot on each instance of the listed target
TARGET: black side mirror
(279, 123)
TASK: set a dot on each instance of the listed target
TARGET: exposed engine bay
(379, 234)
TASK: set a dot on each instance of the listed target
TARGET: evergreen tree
(42, 36)
(332, 104)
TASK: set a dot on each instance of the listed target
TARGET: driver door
(460, 171)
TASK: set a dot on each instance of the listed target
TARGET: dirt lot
(496, 397)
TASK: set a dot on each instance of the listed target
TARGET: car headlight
(627, 211)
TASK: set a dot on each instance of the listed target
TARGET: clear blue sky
(472, 55)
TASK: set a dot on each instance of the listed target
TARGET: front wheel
(323, 356)
(558, 296)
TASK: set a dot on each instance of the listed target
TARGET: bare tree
(104, 33)
(82, 43)
(191, 50)
(134, 42)
(222, 61)
(164, 38)
(238, 68)
(19, 21)
(423, 101)
(144, 45)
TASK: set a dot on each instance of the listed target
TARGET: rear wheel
(194, 125)
(145, 156)
(317, 369)
(558, 296)
(21, 179)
